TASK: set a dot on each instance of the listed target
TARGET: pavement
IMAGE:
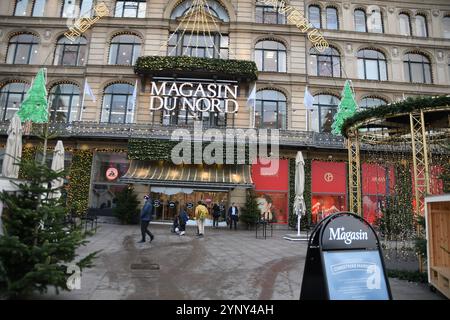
(224, 265)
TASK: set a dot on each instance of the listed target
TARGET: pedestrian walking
(233, 214)
(201, 212)
(146, 217)
(216, 215)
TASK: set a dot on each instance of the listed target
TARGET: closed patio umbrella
(299, 202)
(58, 166)
(13, 152)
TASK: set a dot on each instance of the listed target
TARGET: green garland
(224, 68)
(79, 184)
(156, 150)
(28, 154)
(406, 106)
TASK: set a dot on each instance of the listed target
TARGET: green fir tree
(34, 107)
(347, 108)
(37, 246)
(250, 212)
(127, 209)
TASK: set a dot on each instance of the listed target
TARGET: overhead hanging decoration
(347, 108)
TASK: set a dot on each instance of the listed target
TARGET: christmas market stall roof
(393, 120)
(192, 176)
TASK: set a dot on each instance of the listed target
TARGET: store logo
(348, 236)
(112, 174)
(227, 147)
(378, 179)
(194, 97)
(328, 177)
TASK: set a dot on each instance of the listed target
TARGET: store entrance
(168, 205)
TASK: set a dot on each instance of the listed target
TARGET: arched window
(314, 16)
(332, 18)
(327, 63)
(405, 24)
(417, 68)
(371, 65)
(270, 55)
(360, 20)
(23, 49)
(65, 102)
(130, 9)
(212, 7)
(266, 13)
(38, 8)
(446, 22)
(370, 102)
(375, 22)
(117, 103)
(68, 53)
(198, 45)
(270, 111)
(125, 49)
(11, 96)
(21, 8)
(326, 106)
(421, 26)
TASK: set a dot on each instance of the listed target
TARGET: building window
(405, 24)
(125, 49)
(77, 8)
(268, 14)
(21, 8)
(370, 102)
(332, 18)
(11, 96)
(68, 53)
(270, 56)
(130, 9)
(22, 49)
(314, 16)
(212, 8)
(421, 26)
(360, 20)
(417, 68)
(198, 45)
(327, 63)
(326, 106)
(270, 111)
(446, 22)
(65, 102)
(117, 103)
(375, 22)
(38, 8)
(371, 65)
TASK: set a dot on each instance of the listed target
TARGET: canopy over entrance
(192, 176)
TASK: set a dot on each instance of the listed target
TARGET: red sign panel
(276, 182)
(375, 179)
(329, 177)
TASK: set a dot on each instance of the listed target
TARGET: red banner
(276, 182)
(375, 179)
(329, 177)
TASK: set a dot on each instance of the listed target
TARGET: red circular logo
(112, 173)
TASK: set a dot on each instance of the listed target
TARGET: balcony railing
(295, 138)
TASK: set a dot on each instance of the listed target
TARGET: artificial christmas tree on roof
(35, 106)
(347, 108)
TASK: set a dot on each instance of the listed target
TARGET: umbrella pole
(298, 225)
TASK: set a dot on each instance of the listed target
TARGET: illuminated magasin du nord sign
(194, 96)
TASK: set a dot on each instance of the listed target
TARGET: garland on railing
(156, 149)
(79, 181)
(405, 106)
(222, 67)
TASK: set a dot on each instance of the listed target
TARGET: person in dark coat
(216, 215)
(146, 217)
(233, 214)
